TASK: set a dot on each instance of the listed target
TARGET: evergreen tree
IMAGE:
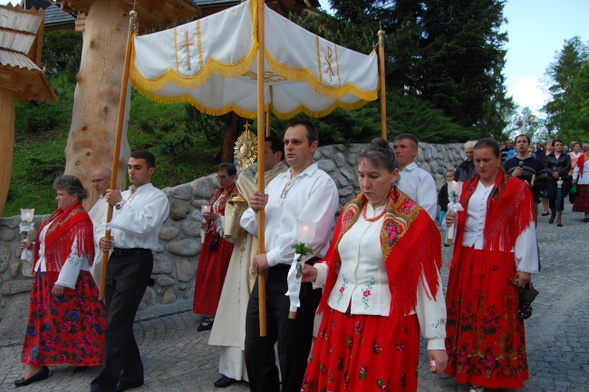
(568, 108)
(448, 54)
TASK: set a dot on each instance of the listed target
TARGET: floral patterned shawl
(411, 245)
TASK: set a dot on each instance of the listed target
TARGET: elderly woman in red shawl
(67, 321)
(495, 253)
(382, 286)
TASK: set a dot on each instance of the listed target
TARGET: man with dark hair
(304, 192)
(137, 219)
(527, 167)
(417, 183)
(229, 330)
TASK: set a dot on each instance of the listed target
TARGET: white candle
(306, 231)
(27, 214)
(206, 208)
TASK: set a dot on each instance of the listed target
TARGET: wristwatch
(120, 204)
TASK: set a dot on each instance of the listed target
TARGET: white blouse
(362, 283)
(526, 246)
(68, 276)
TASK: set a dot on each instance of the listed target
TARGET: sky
(537, 30)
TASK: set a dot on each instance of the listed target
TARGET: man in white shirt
(228, 331)
(304, 192)
(417, 183)
(137, 220)
(100, 181)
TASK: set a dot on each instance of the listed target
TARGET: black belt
(129, 252)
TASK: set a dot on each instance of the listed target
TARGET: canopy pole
(383, 96)
(261, 162)
(117, 150)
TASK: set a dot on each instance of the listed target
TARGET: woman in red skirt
(581, 179)
(382, 287)
(495, 253)
(216, 251)
(67, 321)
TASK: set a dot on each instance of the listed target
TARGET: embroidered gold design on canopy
(211, 63)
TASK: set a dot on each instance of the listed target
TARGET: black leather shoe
(551, 220)
(206, 324)
(79, 369)
(42, 374)
(123, 386)
(224, 382)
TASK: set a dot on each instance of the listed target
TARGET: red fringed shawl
(510, 211)
(221, 210)
(411, 246)
(63, 228)
(581, 163)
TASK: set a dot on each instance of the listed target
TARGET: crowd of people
(369, 286)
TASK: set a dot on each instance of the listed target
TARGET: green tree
(567, 109)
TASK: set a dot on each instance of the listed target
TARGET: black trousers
(126, 280)
(552, 193)
(294, 337)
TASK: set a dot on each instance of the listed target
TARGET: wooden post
(383, 95)
(7, 115)
(261, 162)
(120, 123)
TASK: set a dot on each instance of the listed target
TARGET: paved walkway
(177, 357)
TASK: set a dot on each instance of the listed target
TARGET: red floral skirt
(582, 199)
(353, 353)
(486, 341)
(66, 329)
(210, 275)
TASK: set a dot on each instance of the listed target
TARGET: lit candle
(206, 208)
(27, 214)
(306, 231)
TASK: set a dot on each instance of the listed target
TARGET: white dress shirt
(363, 286)
(98, 216)
(419, 185)
(138, 223)
(312, 195)
(525, 249)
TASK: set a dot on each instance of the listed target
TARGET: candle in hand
(27, 214)
(306, 231)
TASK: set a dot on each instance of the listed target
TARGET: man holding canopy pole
(137, 220)
(304, 192)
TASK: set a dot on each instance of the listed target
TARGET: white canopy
(211, 63)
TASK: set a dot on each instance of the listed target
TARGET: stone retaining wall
(176, 260)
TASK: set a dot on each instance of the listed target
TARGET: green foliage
(568, 108)
(448, 53)
(39, 117)
(62, 51)
(38, 160)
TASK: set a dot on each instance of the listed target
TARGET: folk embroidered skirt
(582, 199)
(353, 353)
(486, 340)
(69, 329)
(210, 275)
